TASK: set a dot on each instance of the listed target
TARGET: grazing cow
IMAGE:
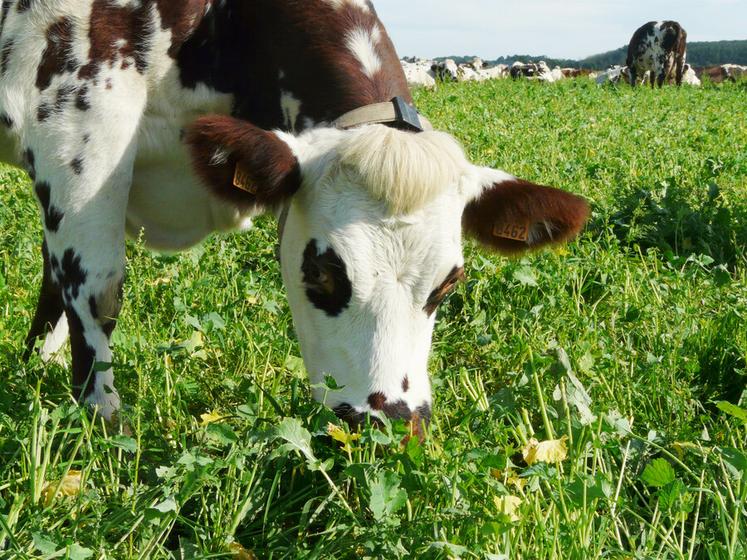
(689, 77)
(612, 75)
(658, 46)
(169, 121)
(575, 72)
(446, 70)
(493, 72)
(419, 73)
(733, 72)
(535, 71)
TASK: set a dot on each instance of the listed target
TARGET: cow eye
(439, 294)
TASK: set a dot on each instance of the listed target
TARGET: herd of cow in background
(656, 54)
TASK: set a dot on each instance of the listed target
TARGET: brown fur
(521, 202)
(272, 167)
(58, 55)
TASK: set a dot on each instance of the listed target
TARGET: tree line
(709, 53)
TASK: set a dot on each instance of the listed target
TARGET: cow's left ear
(242, 163)
(510, 215)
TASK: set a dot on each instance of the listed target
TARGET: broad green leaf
(386, 495)
(124, 442)
(169, 504)
(297, 437)
(525, 276)
(77, 552)
(658, 473)
(733, 410)
(454, 550)
(221, 433)
(43, 544)
(736, 459)
(671, 493)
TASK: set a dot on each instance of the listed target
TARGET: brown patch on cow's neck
(305, 43)
(181, 18)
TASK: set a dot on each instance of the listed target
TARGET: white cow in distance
(419, 73)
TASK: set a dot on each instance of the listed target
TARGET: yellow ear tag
(515, 232)
(242, 180)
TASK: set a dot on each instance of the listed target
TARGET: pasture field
(629, 346)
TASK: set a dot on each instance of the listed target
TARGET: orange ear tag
(515, 232)
(242, 180)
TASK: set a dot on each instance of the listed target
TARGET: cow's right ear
(511, 216)
(242, 163)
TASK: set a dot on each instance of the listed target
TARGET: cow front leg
(49, 319)
(87, 265)
(82, 169)
(632, 76)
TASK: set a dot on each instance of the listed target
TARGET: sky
(560, 29)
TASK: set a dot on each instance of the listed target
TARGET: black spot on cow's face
(325, 279)
(52, 215)
(6, 120)
(22, 5)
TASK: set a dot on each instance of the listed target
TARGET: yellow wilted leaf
(509, 477)
(681, 446)
(240, 553)
(210, 418)
(508, 505)
(552, 451)
(70, 486)
(517, 482)
(338, 434)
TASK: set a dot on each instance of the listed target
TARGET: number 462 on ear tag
(242, 180)
(515, 232)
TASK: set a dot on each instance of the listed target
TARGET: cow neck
(272, 54)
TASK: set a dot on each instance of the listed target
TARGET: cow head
(372, 243)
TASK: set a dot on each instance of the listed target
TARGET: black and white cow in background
(659, 47)
(173, 120)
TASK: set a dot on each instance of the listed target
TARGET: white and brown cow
(171, 120)
(659, 47)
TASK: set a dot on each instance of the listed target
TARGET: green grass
(631, 343)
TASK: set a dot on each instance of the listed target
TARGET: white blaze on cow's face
(365, 264)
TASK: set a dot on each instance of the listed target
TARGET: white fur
(291, 107)
(361, 43)
(404, 170)
(360, 4)
(54, 341)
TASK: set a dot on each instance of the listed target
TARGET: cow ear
(510, 215)
(242, 163)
